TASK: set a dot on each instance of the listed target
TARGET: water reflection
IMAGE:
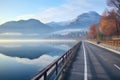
(15, 68)
(41, 61)
(21, 61)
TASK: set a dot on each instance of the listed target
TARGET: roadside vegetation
(109, 26)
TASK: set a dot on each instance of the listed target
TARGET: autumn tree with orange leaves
(93, 31)
(108, 23)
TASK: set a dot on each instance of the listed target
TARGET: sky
(47, 10)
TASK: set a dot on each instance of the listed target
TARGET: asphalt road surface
(94, 63)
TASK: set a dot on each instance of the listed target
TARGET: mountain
(33, 28)
(84, 20)
(24, 26)
(58, 25)
(76, 28)
(53, 24)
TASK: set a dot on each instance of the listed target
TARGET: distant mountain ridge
(85, 20)
(24, 26)
(82, 21)
(33, 28)
(76, 28)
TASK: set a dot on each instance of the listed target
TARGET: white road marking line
(117, 66)
(85, 63)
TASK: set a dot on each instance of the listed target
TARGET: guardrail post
(63, 59)
(66, 55)
(45, 76)
(56, 68)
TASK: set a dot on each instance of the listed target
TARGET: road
(94, 63)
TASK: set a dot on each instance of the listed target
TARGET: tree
(113, 16)
(99, 35)
(116, 5)
(108, 23)
(93, 31)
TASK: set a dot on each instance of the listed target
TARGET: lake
(23, 60)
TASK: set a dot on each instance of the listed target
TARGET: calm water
(21, 61)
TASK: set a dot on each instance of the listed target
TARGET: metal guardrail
(55, 69)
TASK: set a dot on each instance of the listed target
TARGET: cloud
(18, 34)
(49, 14)
(43, 60)
(66, 11)
(11, 34)
(3, 20)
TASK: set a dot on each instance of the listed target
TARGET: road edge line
(85, 62)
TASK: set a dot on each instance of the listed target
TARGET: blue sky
(47, 10)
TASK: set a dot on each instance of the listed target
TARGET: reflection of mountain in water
(32, 51)
(24, 60)
(22, 68)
